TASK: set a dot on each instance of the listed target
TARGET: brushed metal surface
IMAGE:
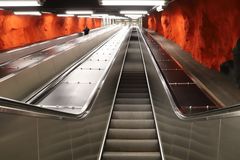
(229, 139)
(18, 138)
(54, 140)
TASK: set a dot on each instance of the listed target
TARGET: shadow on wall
(208, 29)
(18, 31)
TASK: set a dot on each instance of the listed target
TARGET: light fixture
(132, 3)
(133, 12)
(12, 3)
(65, 15)
(133, 16)
(79, 12)
(33, 13)
(46, 12)
(159, 9)
(83, 16)
(99, 15)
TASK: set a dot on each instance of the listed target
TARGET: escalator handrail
(20, 108)
(17, 107)
(228, 111)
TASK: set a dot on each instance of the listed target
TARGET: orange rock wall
(208, 29)
(17, 31)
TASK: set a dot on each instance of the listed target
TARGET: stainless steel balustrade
(39, 47)
(78, 88)
(21, 83)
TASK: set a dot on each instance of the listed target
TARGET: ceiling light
(79, 12)
(65, 15)
(133, 16)
(99, 15)
(159, 9)
(46, 12)
(34, 13)
(133, 12)
(83, 16)
(132, 3)
(12, 3)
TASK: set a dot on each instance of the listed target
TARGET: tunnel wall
(207, 29)
(17, 31)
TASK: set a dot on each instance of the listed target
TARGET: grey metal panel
(74, 94)
(181, 139)
(205, 140)
(92, 64)
(84, 76)
(230, 139)
(81, 146)
(54, 140)
(18, 138)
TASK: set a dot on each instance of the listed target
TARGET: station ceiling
(63, 5)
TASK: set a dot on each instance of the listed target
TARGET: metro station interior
(119, 79)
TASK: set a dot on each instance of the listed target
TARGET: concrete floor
(218, 85)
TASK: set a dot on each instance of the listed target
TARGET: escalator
(128, 128)
(132, 131)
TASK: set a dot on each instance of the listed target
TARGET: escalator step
(131, 156)
(132, 124)
(132, 115)
(125, 145)
(132, 134)
(132, 95)
(133, 85)
(133, 90)
(132, 107)
(132, 101)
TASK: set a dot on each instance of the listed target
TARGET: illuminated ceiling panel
(132, 2)
(23, 3)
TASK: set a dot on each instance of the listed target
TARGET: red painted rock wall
(16, 31)
(208, 29)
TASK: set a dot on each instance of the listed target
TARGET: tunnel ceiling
(62, 5)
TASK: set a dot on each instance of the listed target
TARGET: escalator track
(132, 131)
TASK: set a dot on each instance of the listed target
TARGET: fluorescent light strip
(46, 12)
(83, 16)
(133, 12)
(33, 13)
(79, 12)
(18, 3)
(132, 3)
(133, 16)
(65, 15)
(99, 15)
